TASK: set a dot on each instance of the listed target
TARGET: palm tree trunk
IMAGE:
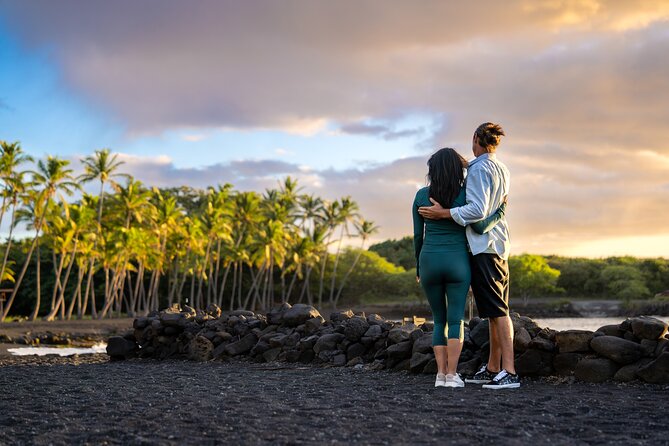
(9, 241)
(57, 272)
(348, 273)
(61, 298)
(76, 297)
(336, 262)
(38, 262)
(3, 316)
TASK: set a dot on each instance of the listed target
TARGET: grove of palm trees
(133, 248)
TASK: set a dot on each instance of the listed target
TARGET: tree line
(626, 278)
(132, 248)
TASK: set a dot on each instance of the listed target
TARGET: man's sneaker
(504, 380)
(440, 381)
(483, 376)
(454, 381)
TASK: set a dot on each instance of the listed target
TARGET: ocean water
(60, 351)
(583, 323)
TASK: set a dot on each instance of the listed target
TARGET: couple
(466, 242)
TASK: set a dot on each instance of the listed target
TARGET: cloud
(379, 130)
(193, 137)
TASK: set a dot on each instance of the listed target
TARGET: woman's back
(439, 235)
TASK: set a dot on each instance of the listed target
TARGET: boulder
(119, 347)
(299, 314)
(275, 315)
(521, 340)
(397, 335)
(646, 327)
(534, 363)
(374, 332)
(328, 342)
(628, 372)
(200, 349)
(271, 354)
(662, 346)
(401, 350)
(242, 346)
(355, 328)
(657, 371)
(213, 310)
(418, 361)
(596, 370)
(423, 344)
(570, 341)
(375, 319)
(430, 367)
(611, 330)
(565, 363)
(339, 360)
(312, 325)
(648, 347)
(354, 350)
(341, 316)
(140, 322)
(480, 334)
(469, 368)
(616, 349)
(542, 343)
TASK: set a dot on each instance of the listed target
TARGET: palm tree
(348, 210)
(53, 179)
(101, 166)
(365, 229)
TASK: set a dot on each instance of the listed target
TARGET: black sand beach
(89, 400)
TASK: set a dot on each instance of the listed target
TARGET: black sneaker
(504, 380)
(483, 376)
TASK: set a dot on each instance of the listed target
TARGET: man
(487, 187)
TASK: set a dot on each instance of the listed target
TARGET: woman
(442, 260)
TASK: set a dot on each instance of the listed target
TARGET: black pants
(490, 284)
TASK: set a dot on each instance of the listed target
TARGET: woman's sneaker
(454, 381)
(504, 380)
(483, 376)
(440, 381)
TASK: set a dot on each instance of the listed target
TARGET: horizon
(251, 93)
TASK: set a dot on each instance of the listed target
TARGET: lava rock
(431, 367)
(656, 372)
(242, 346)
(480, 334)
(328, 342)
(119, 347)
(400, 350)
(628, 372)
(469, 368)
(648, 347)
(565, 363)
(354, 350)
(355, 328)
(646, 327)
(596, 370)
(570, 341)
(521, 340)
(339, 360)
(542, 343)
(418, 361)
(611, 330)
(423, 344)
(534, 363)
(312, 325)
(341, 316)
(299, 314)
(200, 349)
(397, 335)
(271, 354)
(374, 332)
(616, 349)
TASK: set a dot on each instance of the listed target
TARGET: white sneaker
(440, 381)
(454, 381)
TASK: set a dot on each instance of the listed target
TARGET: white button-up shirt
(487, 185)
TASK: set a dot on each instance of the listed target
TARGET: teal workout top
(445, 234)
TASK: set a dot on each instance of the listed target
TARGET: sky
(352, 97)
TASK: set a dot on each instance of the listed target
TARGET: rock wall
(638, 348)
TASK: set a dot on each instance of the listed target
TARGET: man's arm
(479, 186)
(434, 212)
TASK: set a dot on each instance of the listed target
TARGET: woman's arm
(418, 230)
(485, 225)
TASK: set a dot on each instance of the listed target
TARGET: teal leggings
(445, 276)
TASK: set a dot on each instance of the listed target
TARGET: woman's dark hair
(445, 173)
(489, 135)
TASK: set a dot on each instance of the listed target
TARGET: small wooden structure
(415, 320)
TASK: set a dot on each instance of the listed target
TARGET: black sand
(88, 400)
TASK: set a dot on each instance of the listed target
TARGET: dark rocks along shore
(636, 349)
